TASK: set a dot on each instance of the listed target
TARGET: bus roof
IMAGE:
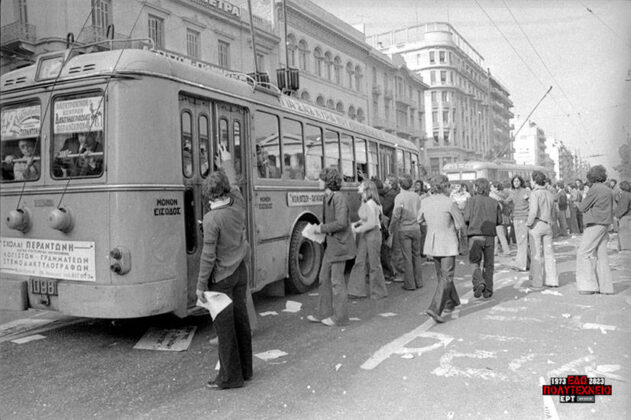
(137, 61)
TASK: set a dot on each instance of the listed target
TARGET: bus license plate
(44, 286)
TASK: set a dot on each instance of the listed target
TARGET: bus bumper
(119, 301)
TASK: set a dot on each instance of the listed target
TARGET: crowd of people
(402, 223)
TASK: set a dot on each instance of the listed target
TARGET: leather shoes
(586, 292)
(439, 319)
(477, 290)
(312, 318)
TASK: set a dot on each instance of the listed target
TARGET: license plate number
(44, 286)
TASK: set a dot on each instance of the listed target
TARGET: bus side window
(293, 154)
(347, 158)
(373, 159)
(361, 160)
(236, 132)
(223, 134)
(267, 145)
(408, 163)
(187, 144)
(331, 148)
(313, 149)
(400, 166)
(204, 159)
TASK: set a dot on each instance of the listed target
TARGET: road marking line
(549, 409)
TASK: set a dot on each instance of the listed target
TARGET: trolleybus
(109, 224)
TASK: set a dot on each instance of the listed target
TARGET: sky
(582, 48)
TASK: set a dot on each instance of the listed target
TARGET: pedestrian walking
(623, 214)
(404, 226)
(593, 274)
(518, 198)
(367, 262)
(391, 188)
(561, 200)
(498, 195)
(385, 256)
(222, 269)
(339, 247)
(540, 218)
(574, 199)
(443, 220)
(481, 215)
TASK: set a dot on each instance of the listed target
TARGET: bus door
(231, 132)
(195, 129)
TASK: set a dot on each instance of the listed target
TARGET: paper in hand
(308, 232)
(215, 303)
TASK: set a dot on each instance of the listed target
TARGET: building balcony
(404, 100)
(376, 89)
(388, 93)
(15, 35)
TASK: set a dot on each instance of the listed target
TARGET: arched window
(337, 70)
(317, 54)
(305, 96)
(358, 78)
(349, 74)
(303, 52)
(320, 101)
(330, 104)
(291, 50)
(339, 107)
(360, 115)
(328, 62)
(351, 112)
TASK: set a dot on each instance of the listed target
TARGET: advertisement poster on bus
(20, 123)
(68, 260)
(76, 115)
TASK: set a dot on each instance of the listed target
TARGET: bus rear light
(120, 260)
(19, 219)
(61, 219)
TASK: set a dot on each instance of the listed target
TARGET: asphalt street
(488, 361)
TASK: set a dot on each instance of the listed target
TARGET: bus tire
(305, 259)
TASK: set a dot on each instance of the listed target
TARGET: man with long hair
(482, 215)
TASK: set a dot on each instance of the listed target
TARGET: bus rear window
(20, 144)
(78, 148)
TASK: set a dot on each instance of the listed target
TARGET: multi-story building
(501, 114)
(530, 147)
(458, 113)
(205, 32)
(338, 69)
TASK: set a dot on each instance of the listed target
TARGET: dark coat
(481, 215)
(340, 244)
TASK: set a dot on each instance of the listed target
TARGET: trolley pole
(256, 64)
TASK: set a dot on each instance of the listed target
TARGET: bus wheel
(305, 258)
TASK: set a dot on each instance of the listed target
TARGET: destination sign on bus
(85, 114)
(297, 199)
(20, 123)
(68, 260)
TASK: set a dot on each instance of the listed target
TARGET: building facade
(207, 32)
(461, 106)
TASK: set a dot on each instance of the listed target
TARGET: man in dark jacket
(482, 214)
(340, 247)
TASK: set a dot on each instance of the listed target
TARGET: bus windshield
(20, 146)
(78, 140)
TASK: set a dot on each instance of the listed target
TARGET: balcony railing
(376, 89)
(17, 31)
